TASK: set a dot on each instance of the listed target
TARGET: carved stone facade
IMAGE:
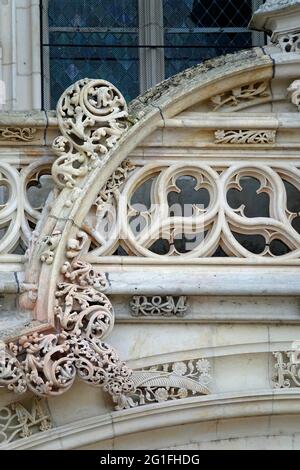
(15, 134)
(245, 137)
(157, 306)
(18, 421)
(290, 42)
(153, 253)
(294, 93)
(239, 97)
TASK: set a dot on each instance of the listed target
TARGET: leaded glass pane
(93, 38)
(195, 30)
(91, 13)
(115, 64)
(186, 50)
(207, 13)
(100, 38)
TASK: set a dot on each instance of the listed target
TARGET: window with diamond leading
(195, 30)
(90, 38)
(136, 43)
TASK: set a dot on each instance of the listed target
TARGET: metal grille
(102, 38)
(195, 30)
(207, 13)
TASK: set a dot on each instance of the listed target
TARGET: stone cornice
(27, 128)
(276, 5)
(277, 17)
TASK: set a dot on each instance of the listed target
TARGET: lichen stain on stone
(221, 64)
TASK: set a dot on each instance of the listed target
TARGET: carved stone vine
(92, 117)
(171, 381)
(245, 137)
(22, 134)
(113, 184)
(48, 247)
(18, 421)
(228, 219)
(47, 364)
(236, 98)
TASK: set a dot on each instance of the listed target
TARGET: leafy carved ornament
(92, 117)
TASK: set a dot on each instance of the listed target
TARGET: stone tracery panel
(209, 215)
(23, 192)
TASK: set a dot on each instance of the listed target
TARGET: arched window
(136, 43)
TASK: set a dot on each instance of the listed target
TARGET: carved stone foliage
(17, 134)
(18, 421)
(294, 93)
(192, 209)
(171, 381)
(112, 187)
(48, 364)
(23, 192)
(287, 369)
(75, 245)
(49, 244)
(92, 117)
(245, 137)
(239, 97)
(290, 42)
(158, 306)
